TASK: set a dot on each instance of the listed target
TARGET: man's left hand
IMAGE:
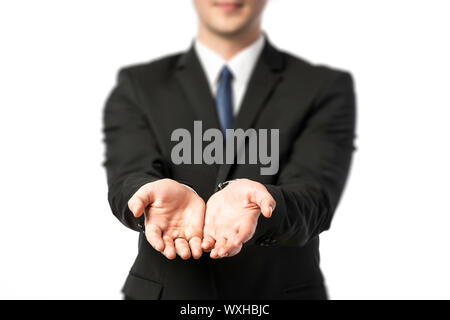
(232, 216)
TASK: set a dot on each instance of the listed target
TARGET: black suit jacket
(314, 109)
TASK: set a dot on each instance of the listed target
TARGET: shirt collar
(241, 65)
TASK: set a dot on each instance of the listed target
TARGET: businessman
(213, 227)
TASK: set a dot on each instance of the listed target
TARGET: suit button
(268, 242)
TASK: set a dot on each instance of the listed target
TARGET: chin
(229, 28)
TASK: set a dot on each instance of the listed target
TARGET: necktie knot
(226, 74)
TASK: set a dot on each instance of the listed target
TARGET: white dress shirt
(241, 66)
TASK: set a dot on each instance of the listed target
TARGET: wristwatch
(222, 185)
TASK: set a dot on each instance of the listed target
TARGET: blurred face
(229, 17)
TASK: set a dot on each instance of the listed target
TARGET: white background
(58, 61)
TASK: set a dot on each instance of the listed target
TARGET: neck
(227, 46)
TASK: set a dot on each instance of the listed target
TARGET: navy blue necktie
(224, 100)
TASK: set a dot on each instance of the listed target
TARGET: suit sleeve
(310, 184)
(132, 156)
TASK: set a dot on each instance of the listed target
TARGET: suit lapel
(265, 77)
(193, 80)
(263, 81)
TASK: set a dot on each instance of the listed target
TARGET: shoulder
(317, 76)
(154, 71)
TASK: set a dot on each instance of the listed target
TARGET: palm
(238, 213)
(227, 212)
(232, 216)
(174, 216)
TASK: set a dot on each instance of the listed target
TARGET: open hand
(232, 216)
(174, 217)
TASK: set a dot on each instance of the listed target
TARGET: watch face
(224, 184)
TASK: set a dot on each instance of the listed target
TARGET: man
(224, 230)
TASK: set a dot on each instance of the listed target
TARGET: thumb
(140, 200)
(265, 202)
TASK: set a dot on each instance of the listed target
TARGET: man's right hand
(174, 217)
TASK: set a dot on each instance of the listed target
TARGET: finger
(234, 251)
(154, 237)
(196, 220)
(208, 243)
(196, 247)
(194, 231)
(169, 250)
(140, 200)
(182, 248)
(215, 253)
(264, 200)
(230, 241)
(230, 245)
